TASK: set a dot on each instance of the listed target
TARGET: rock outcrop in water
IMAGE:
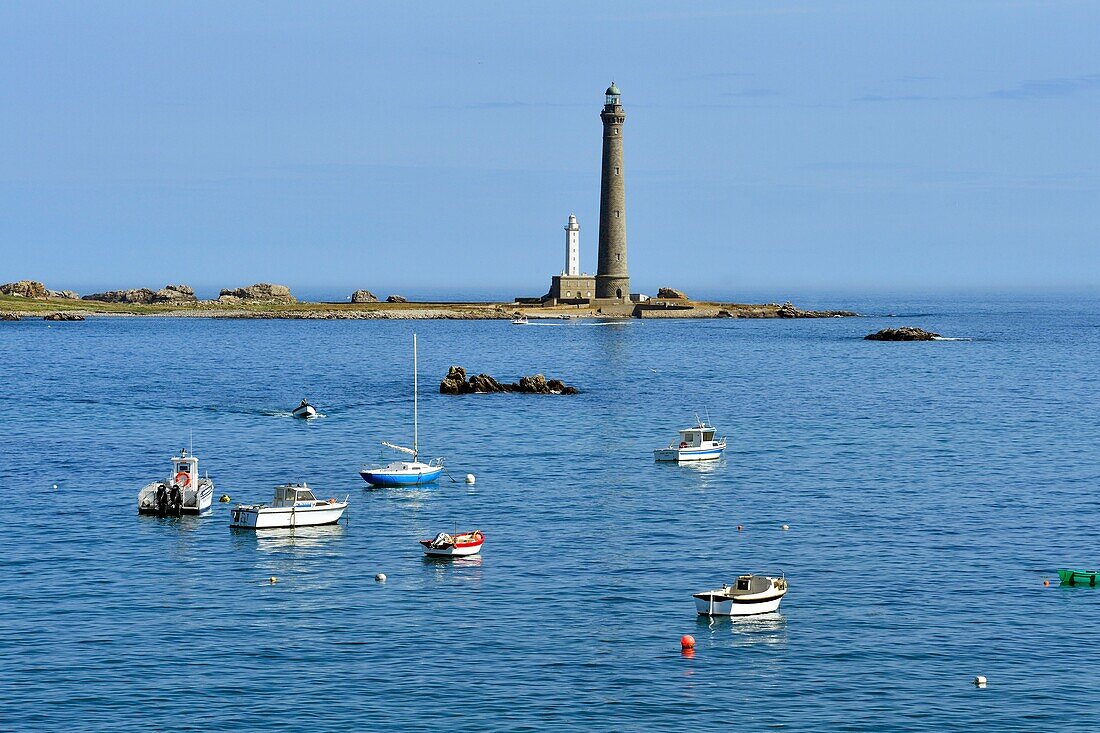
(456, 383)
(397, 299)
(24, 289)
(63, 317)
(363, 296)
(9, 316)
(258, 293)
(905, 333)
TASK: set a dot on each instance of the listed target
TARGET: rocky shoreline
(28, 298)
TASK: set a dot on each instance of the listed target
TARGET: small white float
(749, 595)
(183, 492)
(456, 545)
(695, 444)
(305, 410)
(294, 505)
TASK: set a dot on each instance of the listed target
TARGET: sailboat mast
(416, 410)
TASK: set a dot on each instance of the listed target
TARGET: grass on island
(16, 304)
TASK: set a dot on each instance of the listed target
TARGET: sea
(918, 497)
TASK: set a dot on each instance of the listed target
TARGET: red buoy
(687, 641)
(1046, 583)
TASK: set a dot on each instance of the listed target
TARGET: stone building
(572, 284)
(612, 280)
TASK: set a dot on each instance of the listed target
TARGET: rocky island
(456, 383)
(905, 333)
(270, 300)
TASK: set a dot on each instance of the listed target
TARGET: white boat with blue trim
(183, 492)
(695, 444)
(406, 473)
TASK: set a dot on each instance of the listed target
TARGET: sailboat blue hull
(400, 478)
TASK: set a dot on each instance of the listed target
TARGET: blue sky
(772, 148)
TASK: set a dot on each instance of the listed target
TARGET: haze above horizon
(779, 146)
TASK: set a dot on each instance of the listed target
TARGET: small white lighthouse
(572, 247)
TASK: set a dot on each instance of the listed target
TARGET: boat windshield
(305, 495)
(708, 435)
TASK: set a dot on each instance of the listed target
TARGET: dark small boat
(305, 411)
(1078, 577)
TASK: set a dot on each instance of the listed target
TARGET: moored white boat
(305, 410)
(521, 321)
(456, 545)
(749, 595)
(406, 473)
(294, 505)
(183, 492)
(695, 444)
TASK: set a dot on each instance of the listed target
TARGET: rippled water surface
(929, 488)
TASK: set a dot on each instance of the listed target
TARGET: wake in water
(951, 338)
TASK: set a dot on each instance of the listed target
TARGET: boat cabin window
(183, 467)
(305, 495)
(742, 583)
(708, 435)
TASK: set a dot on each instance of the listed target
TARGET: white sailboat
(406, 473)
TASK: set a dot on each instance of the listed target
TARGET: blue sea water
(930, 488)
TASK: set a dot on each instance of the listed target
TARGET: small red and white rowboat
(457, 545)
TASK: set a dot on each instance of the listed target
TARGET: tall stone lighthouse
(612, 280)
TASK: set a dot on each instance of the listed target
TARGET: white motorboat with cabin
(520, 321)
(183, 492)
(405, 473)
(456, 545)
(695, 444)
(749, 595)
(305, 410)
(294, 505)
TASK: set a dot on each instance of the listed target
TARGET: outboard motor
(177, 501)
(162, 501)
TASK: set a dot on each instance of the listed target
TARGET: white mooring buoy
(979, 681)
(470, 478)
(380, 577)
(784, 527)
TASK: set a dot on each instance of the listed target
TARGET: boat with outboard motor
(405, 473)
(294, 505)
(456, 545)
(183, 492)
(749, 595)
(695, 444)
(305, 410)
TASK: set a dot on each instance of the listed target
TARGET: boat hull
(265, 517)
(383, 477)
(683, 455)
(452, 551)
(1078, 577)
(720, 606)
(305, 413)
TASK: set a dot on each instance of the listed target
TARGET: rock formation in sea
(8, 316)
(62, 317)
(905, 333)
(456, 383)
(24, 289)
(258, 293)
(397, 299)
(363, 296)
(671, 293)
